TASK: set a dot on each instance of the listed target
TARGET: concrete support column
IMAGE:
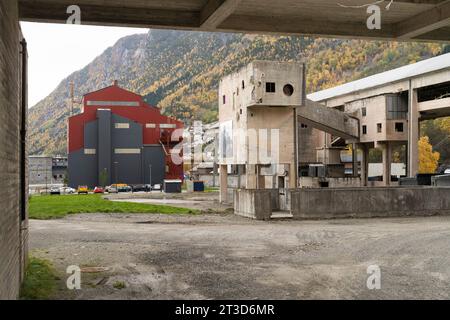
(292, 176)
(413, 133)
(354, 160)
(261, 180)
(251, 180)
(223, 172)
(386, 148)
(364, 164)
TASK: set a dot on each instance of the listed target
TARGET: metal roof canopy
(406, 72)
(419, 20)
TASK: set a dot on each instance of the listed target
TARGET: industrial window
(364, 129)
(396, 107)
(90, 151)
(224, 99)
(379, 127)
(243, 85)
(399, 127)
(270, 87)
(127, 151)
(364, 111)
(304, 126)
(122, 125)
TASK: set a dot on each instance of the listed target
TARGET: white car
(111, 189)
(447, 171)
(67, 190)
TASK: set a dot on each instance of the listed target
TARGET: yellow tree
(428, 160)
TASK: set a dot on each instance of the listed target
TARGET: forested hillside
(179, 72)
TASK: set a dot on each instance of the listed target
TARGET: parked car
(140, 187)
(157, 187)
(67, 190)
(99, 190)
(55, 190)
(124, 188)
(83, 189)
(111, 189)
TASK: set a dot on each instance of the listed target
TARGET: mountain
(179, 72)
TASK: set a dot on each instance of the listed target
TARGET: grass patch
(119, 285)
(58, 206)
(40, 280)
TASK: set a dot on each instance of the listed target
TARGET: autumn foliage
(428, 159)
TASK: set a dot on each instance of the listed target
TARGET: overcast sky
(57, 50)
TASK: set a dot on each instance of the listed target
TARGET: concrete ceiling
(425, 20)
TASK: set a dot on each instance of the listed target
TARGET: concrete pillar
(261, 180)
(386, 148)
(250, 176)
(354, 160)
(223, 172)
(364, 164)
(413, 133)
(292, 176)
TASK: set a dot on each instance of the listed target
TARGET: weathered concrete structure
(266, 126)
(390, 106)
(257, 127)
(40, 170)
(13, 157)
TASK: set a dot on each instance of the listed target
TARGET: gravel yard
(223, 256)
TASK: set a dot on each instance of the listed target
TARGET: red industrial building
(118, 138)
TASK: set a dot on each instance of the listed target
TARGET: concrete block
(255, 204)
(369, 202)
(441, 180)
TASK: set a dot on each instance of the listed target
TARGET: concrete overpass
(402, 19)
(418, 20)
(329, 120)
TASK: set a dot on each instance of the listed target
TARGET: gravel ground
(223, 256)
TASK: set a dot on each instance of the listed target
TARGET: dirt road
(228, 257)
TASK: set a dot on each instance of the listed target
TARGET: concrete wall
(314, 182)
(441, 181)
(13, 229)
(369, 202)
(40, 170)
(255, 204)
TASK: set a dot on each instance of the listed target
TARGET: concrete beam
(52, 12)
(299, 25)
(329, 120)
(428, 21)
(413, 133)
(215, 12)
